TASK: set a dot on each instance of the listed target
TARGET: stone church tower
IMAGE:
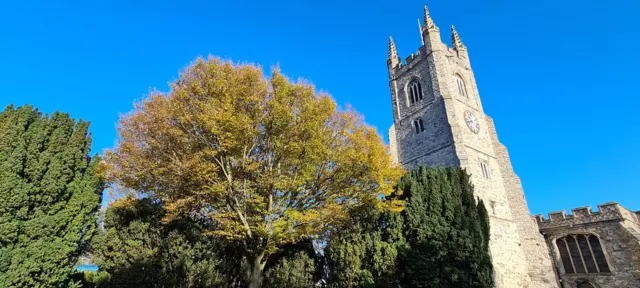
(439, 121)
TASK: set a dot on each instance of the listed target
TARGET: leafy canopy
(270, 162)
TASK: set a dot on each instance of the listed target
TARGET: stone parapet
(412, 57)
(583, 215)
(401, 68)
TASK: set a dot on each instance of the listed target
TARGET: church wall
(533, 243)
(433, 146)
(434, 159)
(508, 257)
(393, 147)
(619, 234)
(429, 146)
(448, 141)
(415, 68)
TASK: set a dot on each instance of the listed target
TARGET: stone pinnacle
(393, 53)
(455, 38)
(428, 22)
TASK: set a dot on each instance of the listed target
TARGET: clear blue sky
(558, 77)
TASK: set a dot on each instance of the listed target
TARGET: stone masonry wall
(448, 141)
(617, 229)
(532, 242)
(393, 147)
(434, 145)
(508, 256)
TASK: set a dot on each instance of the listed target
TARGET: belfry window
(415, 91)
(461, 88)
(582, 253)
(419, 125)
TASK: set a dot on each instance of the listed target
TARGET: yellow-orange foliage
(266, 159)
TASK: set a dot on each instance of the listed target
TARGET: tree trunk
(254, 271)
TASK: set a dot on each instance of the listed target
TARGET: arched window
(582, 253)
(461, 88)
(418, 125)
(415, 91)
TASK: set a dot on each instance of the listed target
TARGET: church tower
(439, 121)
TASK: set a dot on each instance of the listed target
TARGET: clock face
(472, 121)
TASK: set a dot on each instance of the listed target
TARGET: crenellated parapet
(584, 215)
(411, 58)
(400, 68)
(430, 42)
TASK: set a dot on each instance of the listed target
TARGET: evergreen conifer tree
(138, 249)
(446, 230)
(439, 240)
(49, 196)
(364, 253)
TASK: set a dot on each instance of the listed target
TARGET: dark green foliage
(364, 253)
(484, 222)
(296, 271)
(447, 235)
(138, 250)
(439, 240)
(49, 196)
(93, 279)
(294, 265)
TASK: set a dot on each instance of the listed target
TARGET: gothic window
(484, 167)
(415, 91)
(582, 253)
(461, 88)
(419, 125)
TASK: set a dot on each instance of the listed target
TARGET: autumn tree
(270, 162)
(49, 196)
